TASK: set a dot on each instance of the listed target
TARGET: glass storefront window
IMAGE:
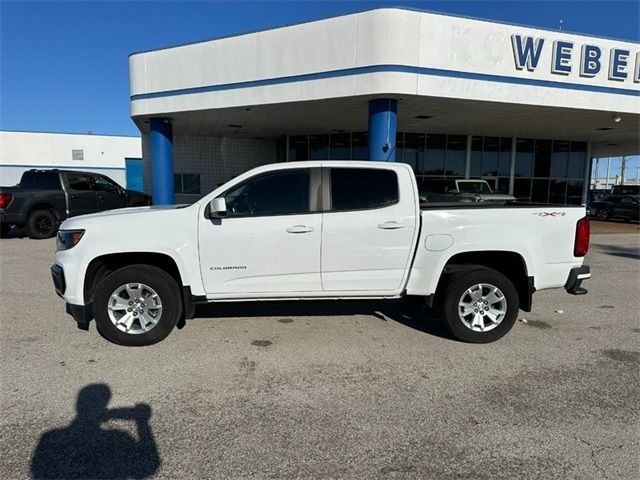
(524, 157)
(504, 166)
(476, 157)
(542, 158)
(559, 159)
(436, 146)
(456, 153)
(557, 190)
(340, 146)
(413, 151)
(360, 146)
(490, 156)
(574, 192)
(540, 190)
(298, 148)
(577, 159)
(522, 189)
(318, 147)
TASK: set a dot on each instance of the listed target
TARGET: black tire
(41, 224)
(157, 279)
(5, 228)
(602, 214)
(452, 290)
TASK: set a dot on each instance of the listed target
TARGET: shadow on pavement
(409, 312)
(85, 449)
(616, 251)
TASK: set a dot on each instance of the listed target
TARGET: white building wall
(216, 159)
(21, 151)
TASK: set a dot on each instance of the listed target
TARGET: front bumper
(576, 276)
(57, 275)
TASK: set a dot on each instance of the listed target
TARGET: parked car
(625, 190)
(461, 190)
(317, 230)
(44, 198)
(617, 206)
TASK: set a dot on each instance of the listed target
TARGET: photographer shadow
(85, 449)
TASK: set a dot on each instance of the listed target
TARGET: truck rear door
(368, 228)
(82, 199)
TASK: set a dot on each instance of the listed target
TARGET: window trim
(312, 203)
(326, 177)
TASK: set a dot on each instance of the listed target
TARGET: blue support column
(161, 134)
(382, 129)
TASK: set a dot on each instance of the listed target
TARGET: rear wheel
(41, 224)
(479, 306)
(602, 214)
(137, 305)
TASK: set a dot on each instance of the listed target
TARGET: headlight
(67, 239)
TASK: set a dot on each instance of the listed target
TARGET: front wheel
(479, 306)
(602, 214)
(137, 305)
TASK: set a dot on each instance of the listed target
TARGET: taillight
(5, 199)
(583, 230)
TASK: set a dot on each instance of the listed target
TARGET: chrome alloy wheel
(134, 308)
(482, 307)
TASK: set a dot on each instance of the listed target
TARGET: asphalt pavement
(324, 389)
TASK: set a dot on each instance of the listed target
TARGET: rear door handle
(300, 229)
(391, 225)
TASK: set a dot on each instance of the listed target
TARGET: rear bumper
(576, 276)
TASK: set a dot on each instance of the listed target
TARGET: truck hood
(122, 213)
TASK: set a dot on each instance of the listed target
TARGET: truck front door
(268, 244)
(110, 195)
(368, 229)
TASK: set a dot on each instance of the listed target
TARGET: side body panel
(543, 236)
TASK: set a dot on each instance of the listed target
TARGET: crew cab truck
(44, 198)
(317, 230)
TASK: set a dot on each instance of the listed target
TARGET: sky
(64, 65)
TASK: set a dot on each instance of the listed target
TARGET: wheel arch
(511, 264)
(102, 266)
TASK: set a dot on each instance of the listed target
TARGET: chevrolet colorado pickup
(44, 198)
(317, 230)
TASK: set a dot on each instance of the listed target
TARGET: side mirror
(218, 207)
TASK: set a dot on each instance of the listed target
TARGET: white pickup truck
(316, 230)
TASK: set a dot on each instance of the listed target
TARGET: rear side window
(79, 183)
(40, 180)
(276, 193)
(363, 188)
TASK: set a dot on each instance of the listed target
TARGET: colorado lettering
(527, 52)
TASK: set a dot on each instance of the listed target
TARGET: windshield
(474, 187)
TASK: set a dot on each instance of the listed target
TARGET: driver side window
(101, 184)
(284, 192)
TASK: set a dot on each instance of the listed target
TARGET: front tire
(479, 306)
(137, 305)
(41, 224)
(602, 215)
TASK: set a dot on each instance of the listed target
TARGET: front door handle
(391, 225)
(300, 229)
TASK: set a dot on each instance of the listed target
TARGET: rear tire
(602, 214)
(160, 304)
(492, 309)
(41, 224)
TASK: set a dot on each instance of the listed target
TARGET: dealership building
(524, 108)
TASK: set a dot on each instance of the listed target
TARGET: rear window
(40, 181)
(79, 182)
(363, 188)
